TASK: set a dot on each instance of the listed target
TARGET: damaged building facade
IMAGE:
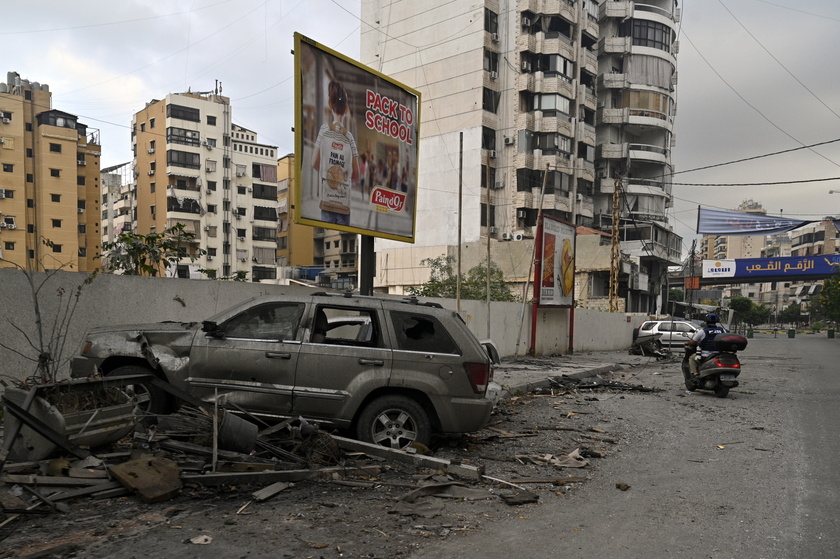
(554, 101)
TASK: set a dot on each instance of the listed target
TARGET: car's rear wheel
(395, 422)
(150, 399)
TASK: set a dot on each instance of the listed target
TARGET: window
(152, 187)
(182, 112)
(30, 202)
(55, 173)
(82, 228)
(182, 136)
(9, 246)
(211, 142)
(484, 176)
(8, 168)
(151, 124)
(647, 33)
(265, 192)
(29, 152)
(210, 166)
(80, 180)
(421, 333)
(270, 322)
(241, 190)
(10, 193)
(340, 326)
(56, 223)
(30, 177)
(491, 21)
(491, 61)
(211, 208)
(490, 100)
(56, 248)
(484, 215)
(241, 233)
(283, 243)
(264, 234)
(183, 159)
(55, 148)
(488, 138)
(55, 197)
(211, 185)
(554, 64)
(211, 120)
(82, 252)
(268, 214)
(151, 146)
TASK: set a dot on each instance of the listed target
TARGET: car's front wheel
(395, 422)
(149, 398)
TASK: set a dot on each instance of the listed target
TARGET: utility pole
(615, 252)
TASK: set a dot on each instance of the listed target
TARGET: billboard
(356, 146)
(793, 267)
(557, 273)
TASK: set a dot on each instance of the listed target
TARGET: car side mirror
(212, 329)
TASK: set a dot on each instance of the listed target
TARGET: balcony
(647, 152)
(614, 45)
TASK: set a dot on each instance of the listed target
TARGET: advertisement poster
(356, 136)
(793, 267)
(557, 285)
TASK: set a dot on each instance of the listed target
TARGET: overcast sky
(755, 77)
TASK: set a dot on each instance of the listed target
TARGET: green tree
(829, 298)
(443, 280)
(676, 294)
(790, 314)
(758, 314)
(148, 255)
(742, 307)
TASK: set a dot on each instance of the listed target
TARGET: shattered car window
(344, 327)
(422, 333)
(271, 321)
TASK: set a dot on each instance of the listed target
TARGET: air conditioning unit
(240, 173)
(6, 120)
(498, 185)
(526, 66)
(208, 146)
(492, 153)
(12, 226)
(80, 210)
(492, 230)
(243, 259)
(506, 236)
(152, 172)
(209, 191)
(579, 197)
(249, 189)
(2, 192)
(518, 236)
(242, 239)
(209, 257)
(495, 37)
(207, 228)
(238, 216)
(521, 214)
(509, 140)
(2, 141)
(3, 225)
(254, 259)
(526, 22)
(150, 151)
(209, 169)
(81, 163)
(493, 74)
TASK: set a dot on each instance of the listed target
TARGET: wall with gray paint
(113, 299)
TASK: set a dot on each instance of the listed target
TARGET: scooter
(719, 372)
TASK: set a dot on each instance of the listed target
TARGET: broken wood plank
(47, 480)
(85, 491)
(270, 491)
(228, 466)
(462, 470)
(87, 473)
(554, 481)
(223, 478)
(190, 448)
(155, 479)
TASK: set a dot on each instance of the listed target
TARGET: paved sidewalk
(525, 373)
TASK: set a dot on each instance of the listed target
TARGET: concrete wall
(113, 299)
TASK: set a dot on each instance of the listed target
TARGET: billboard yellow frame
(356, 146)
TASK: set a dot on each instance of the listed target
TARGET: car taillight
(480, 375)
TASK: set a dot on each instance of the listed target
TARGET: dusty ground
(364, 518)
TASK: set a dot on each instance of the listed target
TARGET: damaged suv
(390, 371)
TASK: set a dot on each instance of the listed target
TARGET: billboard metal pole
(367, 266)
(460, 219)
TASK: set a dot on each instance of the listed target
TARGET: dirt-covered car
(390, 371)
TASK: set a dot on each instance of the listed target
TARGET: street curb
(508, 391)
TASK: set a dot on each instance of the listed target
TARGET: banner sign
(794, 267)
(557, 284)
(722, 222)
(356, 146)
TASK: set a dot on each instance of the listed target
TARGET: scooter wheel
(721, 391)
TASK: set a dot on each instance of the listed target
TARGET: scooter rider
(705, 340)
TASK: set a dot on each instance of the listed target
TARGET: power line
(756, 157)
(756, 183)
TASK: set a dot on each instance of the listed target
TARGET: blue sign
(794, 267)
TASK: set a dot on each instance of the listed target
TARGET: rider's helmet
(711, 318)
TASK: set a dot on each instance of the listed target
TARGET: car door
(683, 331)
(252, 359)
(342, 358)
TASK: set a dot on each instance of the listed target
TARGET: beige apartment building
(193, 166)
(49, 182)
(570, 94)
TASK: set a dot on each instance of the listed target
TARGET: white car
(674, 332)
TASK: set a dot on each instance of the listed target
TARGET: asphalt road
(753, 475)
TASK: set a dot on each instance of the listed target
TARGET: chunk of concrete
(154, 479)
